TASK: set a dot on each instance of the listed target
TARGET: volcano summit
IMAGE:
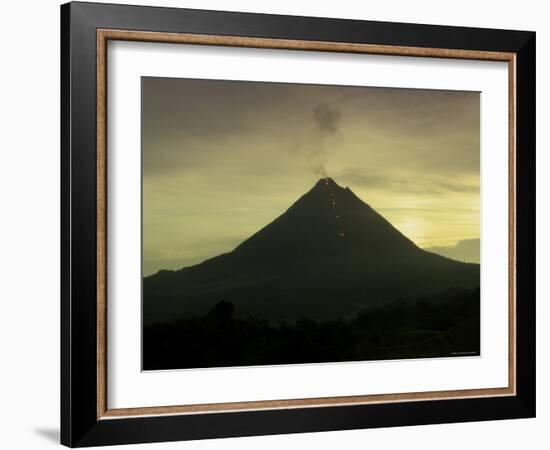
(328, 256)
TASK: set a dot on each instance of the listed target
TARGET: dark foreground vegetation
(443, 325)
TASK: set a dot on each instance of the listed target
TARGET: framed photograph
(276, 224)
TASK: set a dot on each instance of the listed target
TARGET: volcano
(328, 256)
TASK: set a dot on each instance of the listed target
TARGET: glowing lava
(337, 217)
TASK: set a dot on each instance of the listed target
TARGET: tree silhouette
(446, 324)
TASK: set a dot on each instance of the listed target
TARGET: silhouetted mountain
(329, 255)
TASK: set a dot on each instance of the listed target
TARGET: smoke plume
(327, 118)
(327, 121)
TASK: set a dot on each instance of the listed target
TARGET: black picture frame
(80, 425)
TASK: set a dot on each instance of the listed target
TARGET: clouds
(417, 183)
(466, 250)
(187, 123)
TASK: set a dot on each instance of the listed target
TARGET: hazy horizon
(222, 159)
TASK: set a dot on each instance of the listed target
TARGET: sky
(222, 159)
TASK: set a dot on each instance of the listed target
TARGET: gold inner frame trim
(103, 36)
